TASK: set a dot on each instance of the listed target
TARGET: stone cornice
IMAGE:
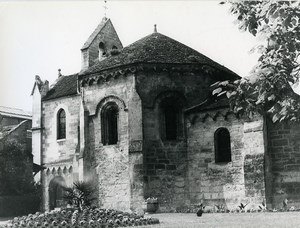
(108, 74)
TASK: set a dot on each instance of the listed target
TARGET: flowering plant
(151, 200)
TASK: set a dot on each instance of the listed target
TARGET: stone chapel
(140, 121)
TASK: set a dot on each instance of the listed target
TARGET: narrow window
(171, 122)
(109, 124)
(171, 119)
(222, 145)
(61, 124)
(102, 51)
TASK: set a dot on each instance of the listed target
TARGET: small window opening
(61, 124)
(171, 119)
(102, 51)
(109, 124)
(222, 145)
(171, 122)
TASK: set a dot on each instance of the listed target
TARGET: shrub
(19, 205)
(81, 195)
(16, 165)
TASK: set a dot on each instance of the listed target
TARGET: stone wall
(194, 87)
(59, 155)
(284, 163)
(109, 37)
(62, 169)
(231, 183)
(36, 129)
(255, 147)
(165, 161)
(165, 172)
(115, 168)
(52, 148)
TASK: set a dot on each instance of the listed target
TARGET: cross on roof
(105, 8)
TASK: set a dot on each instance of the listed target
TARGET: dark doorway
(56, 192)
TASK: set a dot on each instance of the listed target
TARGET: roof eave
(189, 111)
(63, 96)
(16, 116)
(85, 73)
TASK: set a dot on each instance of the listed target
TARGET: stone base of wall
(165, 171)
(284, 170)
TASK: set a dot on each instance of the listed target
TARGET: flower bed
(88, 218)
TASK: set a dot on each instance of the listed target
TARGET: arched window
(222, 145)
(171, 124)
(109, 124)
(61, 124)
(102, 51)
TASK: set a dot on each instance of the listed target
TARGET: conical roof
(155, 48)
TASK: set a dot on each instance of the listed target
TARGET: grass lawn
(266, 219)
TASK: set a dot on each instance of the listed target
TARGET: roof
(64, 86)
(15, 112)
(155, 48)
(209, 104)
(6, 130)
(38, 82)
(95, 33)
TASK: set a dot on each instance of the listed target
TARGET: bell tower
(100, 44)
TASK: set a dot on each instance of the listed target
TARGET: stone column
(254, 172)
(135, 131)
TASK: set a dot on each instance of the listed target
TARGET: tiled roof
(155, 48)
(95, 33)
(64, 86)
(15, 112)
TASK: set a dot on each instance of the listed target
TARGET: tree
(268, 88)
(15, 169)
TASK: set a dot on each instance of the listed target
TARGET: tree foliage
(268, 88)
(15, 169)
(80, 195)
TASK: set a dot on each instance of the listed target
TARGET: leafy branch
(268, 88)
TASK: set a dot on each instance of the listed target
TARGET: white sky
(37, 38)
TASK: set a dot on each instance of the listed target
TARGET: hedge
(19, 205)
